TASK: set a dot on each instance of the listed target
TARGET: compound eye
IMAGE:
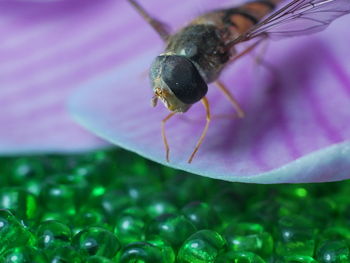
(183, 78)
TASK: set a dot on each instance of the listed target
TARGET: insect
(195, 55)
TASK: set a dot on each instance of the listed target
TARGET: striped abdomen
(238, 19)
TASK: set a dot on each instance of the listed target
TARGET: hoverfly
(195, 55)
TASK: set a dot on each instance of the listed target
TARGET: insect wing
(299, 17)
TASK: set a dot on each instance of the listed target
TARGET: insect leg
(259, 57)
(227, 93)
(231, 98)
(157, 25)
(204, 132)
(167, 149)
(260, 61)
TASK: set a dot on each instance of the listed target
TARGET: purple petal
(42, 59)
(297, 125)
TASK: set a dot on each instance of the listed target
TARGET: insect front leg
(165, 141)
(160, 27)
(204, 132)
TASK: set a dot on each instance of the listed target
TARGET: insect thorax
(204, 46)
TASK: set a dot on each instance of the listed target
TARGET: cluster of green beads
(113, 206)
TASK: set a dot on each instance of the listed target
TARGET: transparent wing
(299, 17)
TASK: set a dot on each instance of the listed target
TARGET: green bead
(22, 204)
(294, 192)
(12, 232)
(23, 169)
(24, 255)
(142, 252)
(289, 207)
(165, 248)
(227, 204)
(113, 202)
(158, 206)
(247, 228)
(300, 192)
(97, 173)
(58, 197)
(265, 211)
(77, 187)
(98, 259)
(140, 167)
(319, 208)
(295, 235)
(183, 188)
(96, 241)
(201, 247)
(58, 216)
(337, 232)
(239, 257)
(134, 211)
(333, 252)
(87, 181)
(299, 259)
(65, 254)
(131, 164)
(27, 173)
(52, 234)
(97, 191)
(175, 229)
(249, 237)
(88, 217)
(129, 226)
(100, 156)
(67, 163)
(200, 214)
(139, 188)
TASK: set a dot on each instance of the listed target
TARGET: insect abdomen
(239, 19)
(243, 17)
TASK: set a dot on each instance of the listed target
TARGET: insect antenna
(204, 132)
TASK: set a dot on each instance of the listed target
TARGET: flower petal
(42, 59)
(297, 125)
